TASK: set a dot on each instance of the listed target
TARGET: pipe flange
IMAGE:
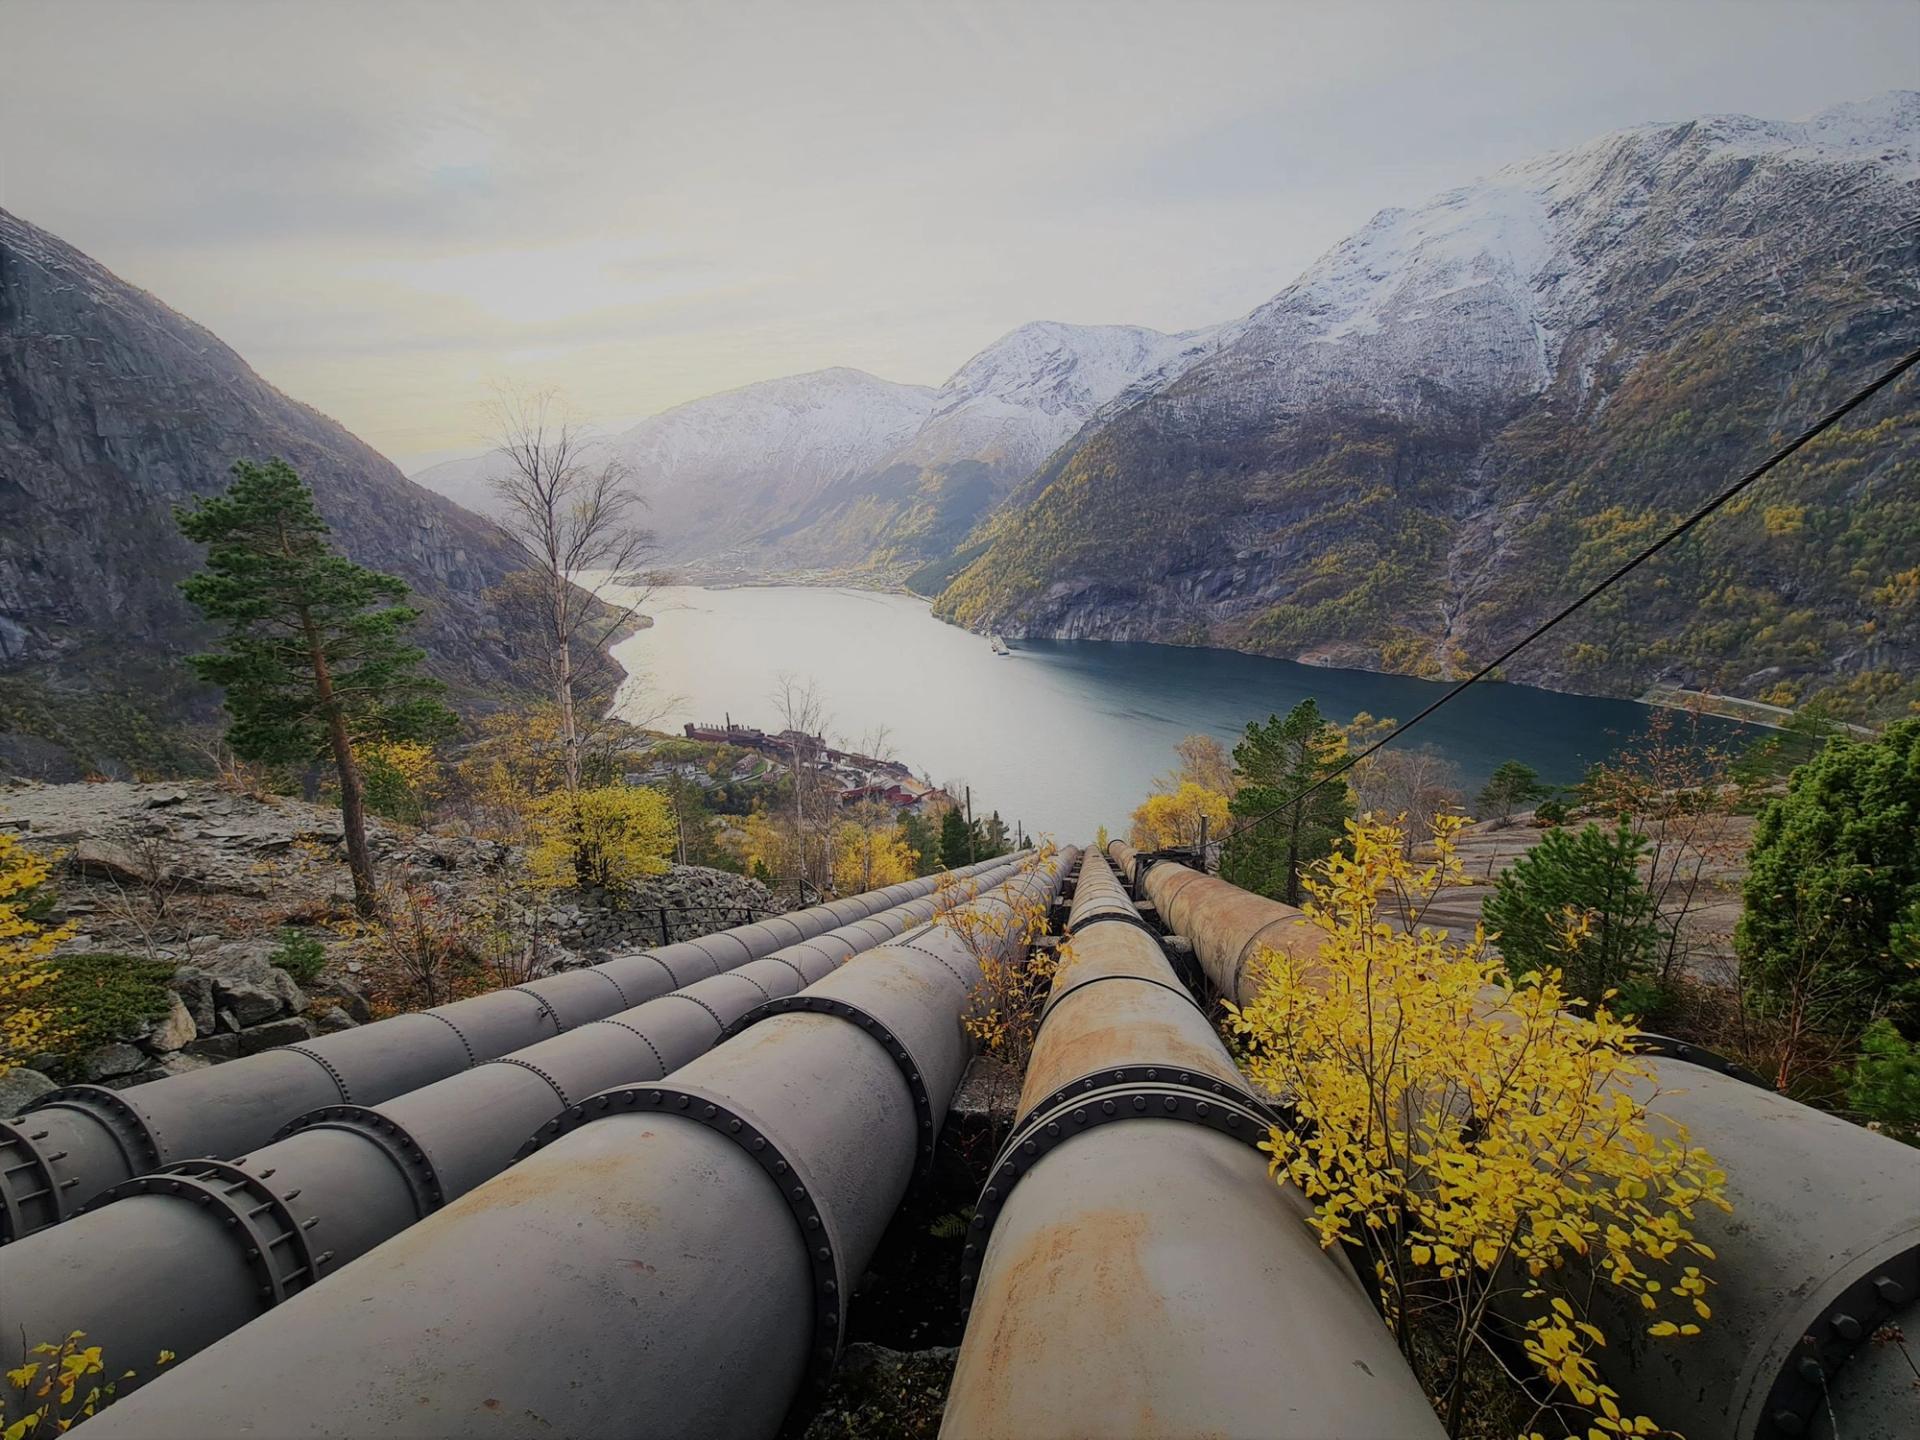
(1799, 1393)
(277, 1247)
(1078, 985)
(1124, 917)
(409, 1157)
(1075, 1110)
(340, 1081)
(32, 1192)
(926, 1123)
(726, 1117)
(140, 1141)
(1645, 1042)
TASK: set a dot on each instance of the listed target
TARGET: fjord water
(1066, 735)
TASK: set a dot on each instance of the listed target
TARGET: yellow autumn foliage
(604, 836)
(29, 1021)
(866, 858)
(1482, 1139)
(1165, 820)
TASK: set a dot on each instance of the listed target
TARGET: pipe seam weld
(937, 959)
(279, 1253)
(728, 1118)
(1054, 1001)
(552, 1084)
(1799, 1392)
(897, 1051)
(340, 1081)
(1132, 1092)
(696, 1000)
(408, 1155)
(644, 1038)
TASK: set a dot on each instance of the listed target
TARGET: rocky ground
(1488, 848)
(201, 886)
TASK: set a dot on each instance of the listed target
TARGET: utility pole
(970, 854)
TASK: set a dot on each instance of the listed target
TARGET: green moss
(102, 997)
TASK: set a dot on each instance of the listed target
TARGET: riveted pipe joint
(1133, 1270)
(81, 1140)
(1821, 1249)
(349, 1176)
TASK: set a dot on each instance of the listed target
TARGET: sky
(387, 208)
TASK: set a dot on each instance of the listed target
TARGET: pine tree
(1275, 763)
(1595, 874)
(1512, 785)
(312, 661)
(923, 840)
(1833, 882)
(956, 839)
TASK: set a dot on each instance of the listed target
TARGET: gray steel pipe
(77, 1142)
(346, 1177)
(674, 1262)
(1821, 1251)
(1138, 1273)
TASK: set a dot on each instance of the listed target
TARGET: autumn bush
(605, 837)
(1477, 1137)
(56, 1385)
(31, 1018)
(1003, 1012)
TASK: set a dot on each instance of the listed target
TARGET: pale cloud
(386, 206)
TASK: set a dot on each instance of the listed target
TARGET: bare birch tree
(803, 715)
(572, 506)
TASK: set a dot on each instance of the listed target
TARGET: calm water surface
(1065, 735)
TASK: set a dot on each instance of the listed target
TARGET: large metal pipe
(1821, 1250)
(675, 1261)
(1139, 1275)
(81, 1140)
(346, 1177)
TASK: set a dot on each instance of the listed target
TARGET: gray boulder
(112, 1060)
(19, 1088)
(174, 1029)
(275, 1033)
(252, 989)
(195, 989)
(225, 1046)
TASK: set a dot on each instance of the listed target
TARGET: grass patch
(101, 997)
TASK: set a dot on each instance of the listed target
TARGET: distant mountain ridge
(837, 468)
(113, 409)
(1467, 410)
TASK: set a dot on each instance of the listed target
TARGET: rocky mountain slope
(113, 409)
(1467, 412)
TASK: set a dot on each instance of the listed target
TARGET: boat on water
(997, 645)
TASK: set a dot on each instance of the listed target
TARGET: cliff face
(1466, 413)
(113, 409)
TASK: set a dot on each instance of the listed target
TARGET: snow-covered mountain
(717, 470)
(991, 426)
(824, 469)
(1479, 293)
(1468, 408)
(1012, 404)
